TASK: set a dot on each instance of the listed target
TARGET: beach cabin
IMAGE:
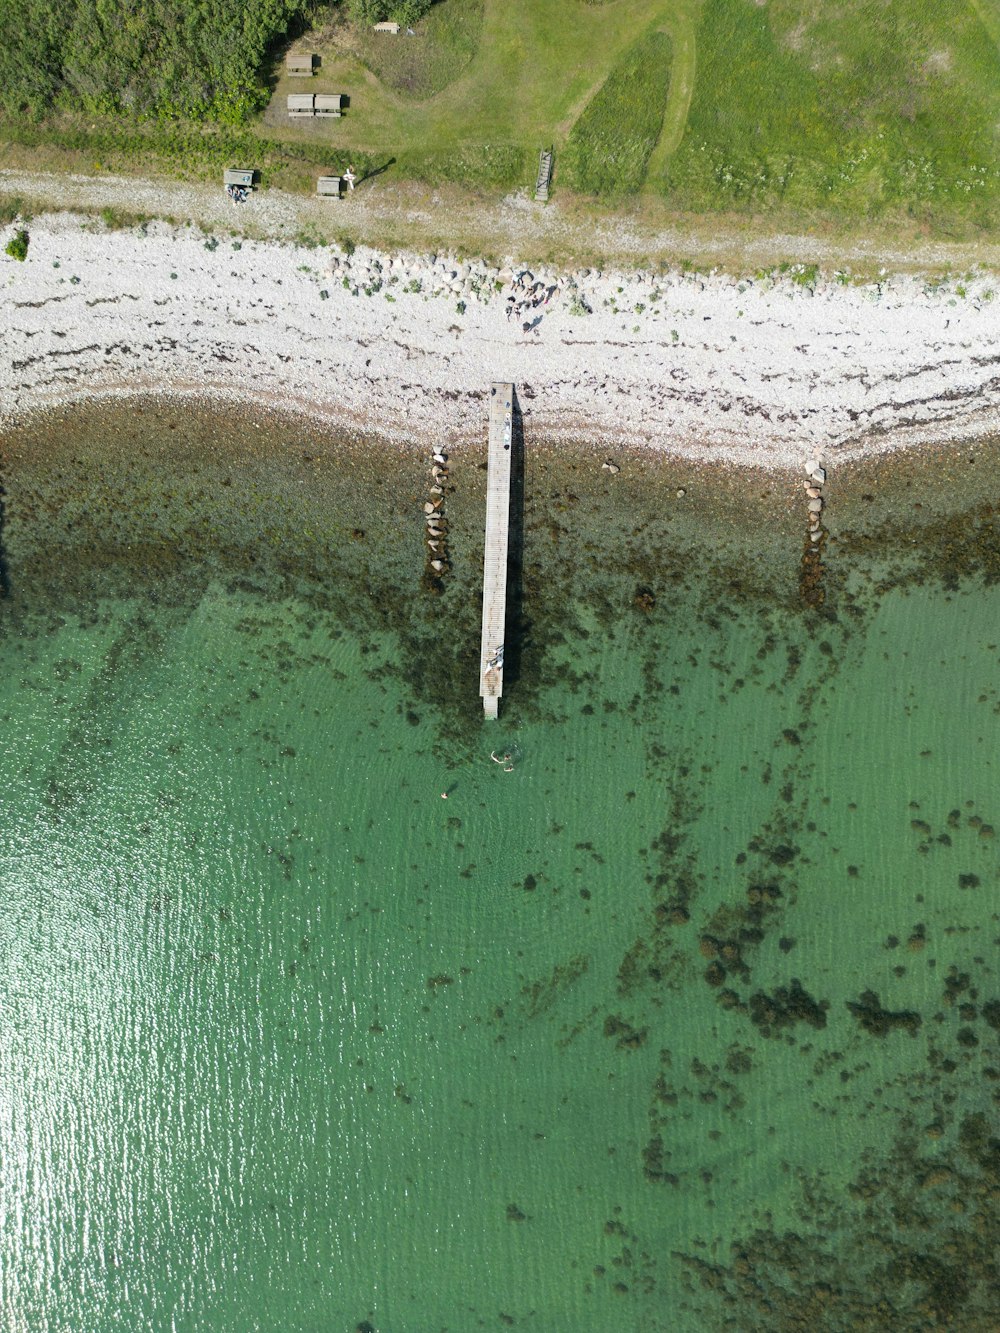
(329, 104)
(301, 104)
(387, 27)
(330, 187)
(299, 67)
(242, 179)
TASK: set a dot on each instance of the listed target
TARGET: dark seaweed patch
(878, 1021)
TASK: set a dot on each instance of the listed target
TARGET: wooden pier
(495, 559)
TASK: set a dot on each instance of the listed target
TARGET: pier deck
(495, 558)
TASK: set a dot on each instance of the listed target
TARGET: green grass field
(852, 109)
(797, 111)
(796, 108)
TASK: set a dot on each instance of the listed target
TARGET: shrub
(367, 12)
(17, 247)
(164, 58)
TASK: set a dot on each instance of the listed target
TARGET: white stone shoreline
(768, 372)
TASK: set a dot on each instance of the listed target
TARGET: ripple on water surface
(688, 1022)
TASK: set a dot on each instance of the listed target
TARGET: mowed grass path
(538, 64)
(682, 28)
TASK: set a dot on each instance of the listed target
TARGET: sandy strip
(762, 372)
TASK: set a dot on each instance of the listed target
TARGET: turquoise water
(689, 1022)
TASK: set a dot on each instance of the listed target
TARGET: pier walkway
(495, 558)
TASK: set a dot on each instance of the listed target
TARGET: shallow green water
(291, 1043)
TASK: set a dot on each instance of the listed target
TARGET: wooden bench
(236, 176)
(299, 67)
(330, 187)
(387, 27)
(329, 104)
(301, 104)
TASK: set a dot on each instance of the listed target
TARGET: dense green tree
(164, 58)
(377, 11)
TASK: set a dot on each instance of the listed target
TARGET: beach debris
(613, 468)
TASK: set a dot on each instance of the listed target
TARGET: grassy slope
(800, 112)
(447, 41)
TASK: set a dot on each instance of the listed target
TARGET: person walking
(350, 177)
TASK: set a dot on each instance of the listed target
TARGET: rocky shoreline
(770, 371)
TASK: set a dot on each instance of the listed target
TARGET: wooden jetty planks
(495, 557)
(544, 178)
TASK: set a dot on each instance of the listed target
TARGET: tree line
(166, 59)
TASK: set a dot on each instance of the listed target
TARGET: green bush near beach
(17, 246)
(610, 144)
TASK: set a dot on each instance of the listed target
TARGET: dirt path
(418, 217)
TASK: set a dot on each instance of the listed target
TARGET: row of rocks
(430, 275)
(814, 483)
(369, 271)
(437, 533)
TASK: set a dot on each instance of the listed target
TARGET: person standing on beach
(350, 177)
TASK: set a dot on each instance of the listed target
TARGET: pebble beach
(774, 370)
